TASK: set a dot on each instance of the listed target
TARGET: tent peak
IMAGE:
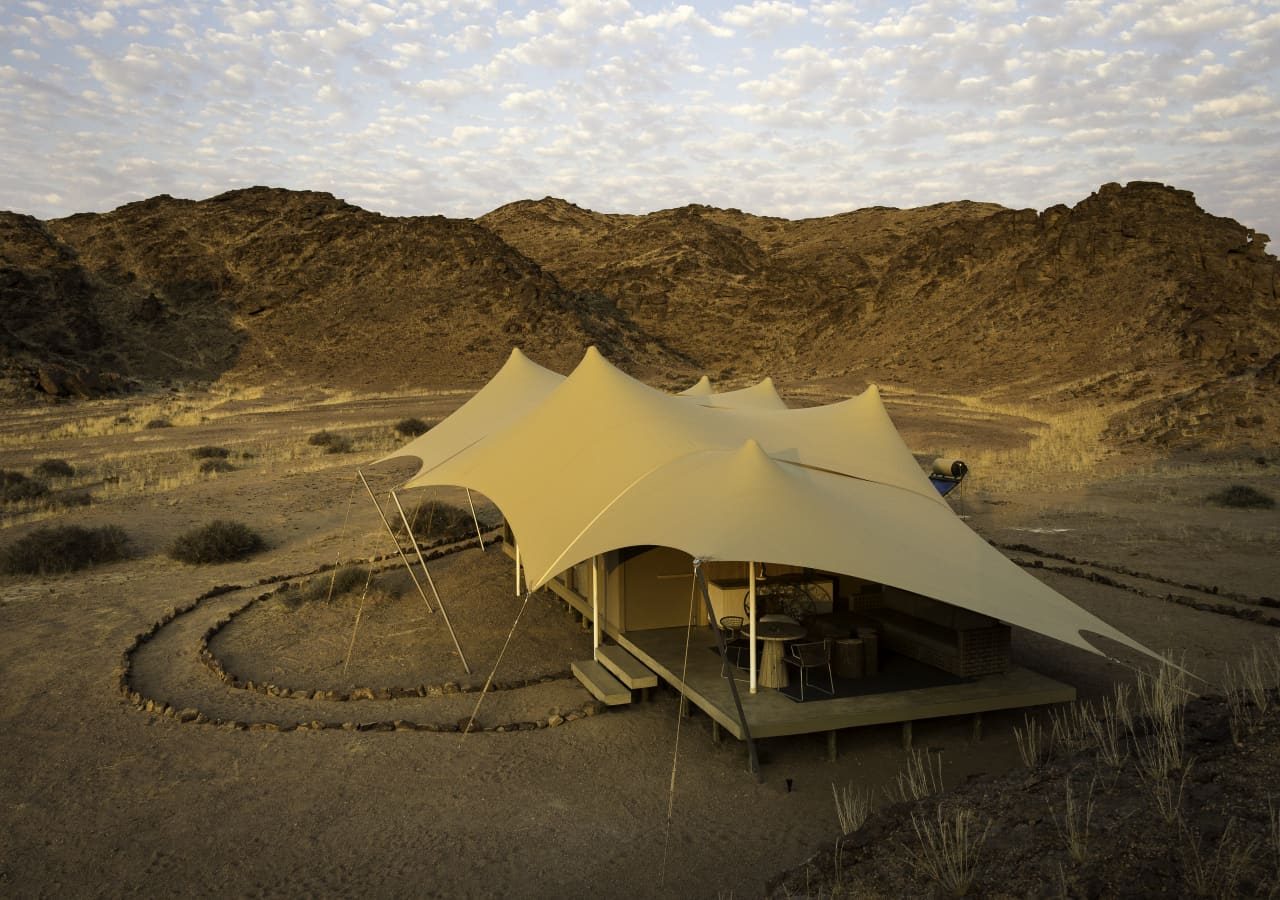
(701, 389)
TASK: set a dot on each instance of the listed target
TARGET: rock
(187, 715)
(554, 721)
(362, 694)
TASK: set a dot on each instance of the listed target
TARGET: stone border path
(168, 670)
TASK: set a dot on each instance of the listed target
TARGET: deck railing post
(752, 759)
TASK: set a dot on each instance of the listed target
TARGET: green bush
(15, 486)
(332, 443)
(219, 541)
(210, 452)
(411, 427)
(210, 466)
(347, 580)
(63, 548)
(1241, 496)
(55, 468)
(158, 423)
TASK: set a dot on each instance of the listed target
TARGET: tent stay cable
(396, 541)
(342, 539)
(475, 519)
(680, 708)
(351, 645)
(431, 581)
(488, 681)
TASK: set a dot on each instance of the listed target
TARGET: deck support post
(831, 745)
(715, 732)
(977, 727)
(686, 708)
(595, 608)
(518, 570)
(906, 735)
(751, 628)
(753, 761)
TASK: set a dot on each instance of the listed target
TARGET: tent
(598, 461)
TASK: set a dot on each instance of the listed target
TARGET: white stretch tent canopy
(597, 461)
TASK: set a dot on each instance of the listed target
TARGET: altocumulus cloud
(781, 107)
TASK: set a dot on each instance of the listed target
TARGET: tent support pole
(431, 581)
(752, 760)
(394, 540)
(751, 580)
(517, 570)
(595, 608)
(476, 520)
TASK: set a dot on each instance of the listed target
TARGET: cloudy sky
(772, 106)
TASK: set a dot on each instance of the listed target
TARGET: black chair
(806, 657)
(736, 647)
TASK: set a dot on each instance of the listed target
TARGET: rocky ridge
(1133, 298)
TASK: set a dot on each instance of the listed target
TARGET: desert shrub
(15, 486)
(70, 500)
(209, 466)
(210, 452)
(332, 443)
(432, 519)
(1241, 496)
(411, 427)
(63, 548)
(219, 541)
(54, 468)
(158, 423)
(346, 580)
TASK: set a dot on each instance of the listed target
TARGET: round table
(773, 672)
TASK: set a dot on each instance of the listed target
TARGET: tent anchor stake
(753, 761)
(403, 558)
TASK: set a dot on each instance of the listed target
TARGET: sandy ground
(100, 798)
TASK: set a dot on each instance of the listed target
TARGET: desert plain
(105, 797)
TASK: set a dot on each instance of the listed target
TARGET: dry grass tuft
(950, 846)
(1035, 746)
(921, 778)
(1073, 826)
(1109, 728)
(1217, 874)
(853, 807)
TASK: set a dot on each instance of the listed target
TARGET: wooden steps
(626, 668)
(598, 681)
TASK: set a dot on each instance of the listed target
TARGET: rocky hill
(266, 285)
(1134, 297)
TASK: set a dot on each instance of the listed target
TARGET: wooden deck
(771, 714)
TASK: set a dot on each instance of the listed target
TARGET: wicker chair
(809, 656)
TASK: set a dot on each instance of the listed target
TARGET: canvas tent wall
(832, 488)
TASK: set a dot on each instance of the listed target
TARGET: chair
(735, 647)
(813, 655)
